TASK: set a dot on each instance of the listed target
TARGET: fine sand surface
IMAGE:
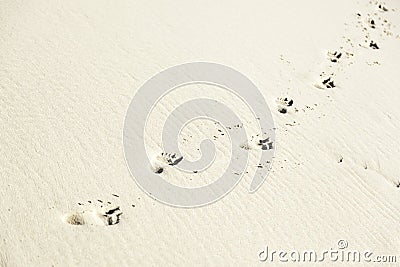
(68, 71)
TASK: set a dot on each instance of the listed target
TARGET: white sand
(68, 71)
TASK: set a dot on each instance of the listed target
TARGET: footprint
(381, 7)
(111, 216)
(163, 160)
(285, 101)
(75, 218)
(373, 45)
(329, 83)
(326, 83)
(104, 216)
(371, 23)
(265, 144)
(282, 110)
(171, 159)
(335, 56)
(283, 104)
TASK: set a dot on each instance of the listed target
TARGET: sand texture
(69, 70)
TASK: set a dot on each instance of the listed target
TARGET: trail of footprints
(374, 29)
(371, 24)
(107, 214)
(166, 159)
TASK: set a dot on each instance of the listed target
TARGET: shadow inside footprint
(328, 83)
(75, 219)
(373, 45)
(335, 56)
(266, 144)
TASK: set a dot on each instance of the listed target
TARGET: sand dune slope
(68, 71)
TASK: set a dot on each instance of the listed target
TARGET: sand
(68, 71)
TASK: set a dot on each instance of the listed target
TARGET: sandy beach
(69, 71)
